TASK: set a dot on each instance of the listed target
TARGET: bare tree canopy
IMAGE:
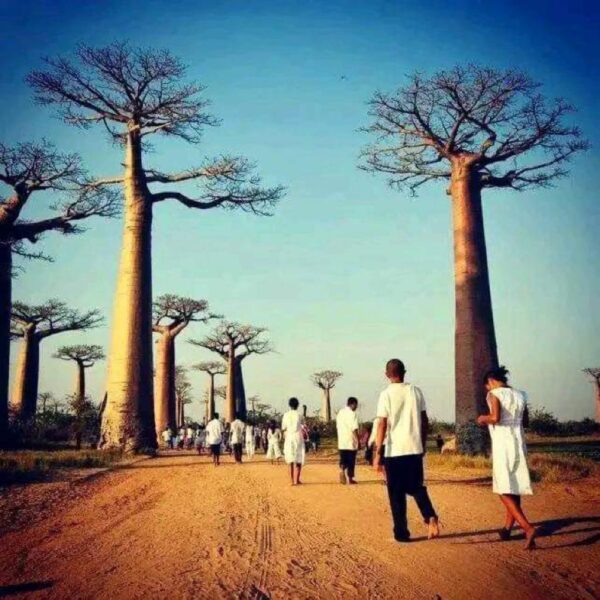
(512, 135)
(325, 380)
(176, 312)
(142, 91)
(594, 373)
(28, 168)
(51, 318)
(229, 336)
(211, 367)
(183, 387)
(86, 355)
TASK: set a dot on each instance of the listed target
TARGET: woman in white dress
(273, 443)
(293, 446)
(249, 440)
(508, 412)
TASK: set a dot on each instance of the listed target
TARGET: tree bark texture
(165, 411)
(475, 339)
(5, 308)
(128, 420)
(24, 400)
(230, 393)
(240, 391)
(326, 407)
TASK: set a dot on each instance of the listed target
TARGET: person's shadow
(589, 526)
(20, 588)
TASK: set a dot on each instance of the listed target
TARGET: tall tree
(44, 398)
(172, 314)
(476, 128)
(594, 373)
(183, 394)
(27, 170)
(136, 93)
(234, 343)
(212, 369)
(326, 381)
(84, 357)
(34, 323)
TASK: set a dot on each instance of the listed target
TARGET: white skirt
(509, 456)
(293, 449)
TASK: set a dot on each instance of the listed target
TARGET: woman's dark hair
(294, 403)
(499, 374)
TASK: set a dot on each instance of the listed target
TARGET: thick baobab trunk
(210, 407)
(24, 400)
(180, 411)
(128, 420)
(230, 393)
(240, 391)
(326, 408)
(475, 339)
(165, 411)
(5, 307)
(597, 388)
(80, 382)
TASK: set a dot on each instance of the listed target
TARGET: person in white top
(293, 446)
(214, 436)
(346, 423)
(403, 428)
(249, 440)
(273, 441)
(511, 480)
(237, 438)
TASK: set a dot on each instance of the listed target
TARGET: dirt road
(175, 527)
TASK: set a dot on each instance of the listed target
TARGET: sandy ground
(176, 527)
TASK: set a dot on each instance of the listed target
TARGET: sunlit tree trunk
(240, 390)
(5, 305)
(326, 407)
(80, 382)
(210, 413)
(25, 393)
(128, 420)
(475, 339)
(230, 394)
(165, 411)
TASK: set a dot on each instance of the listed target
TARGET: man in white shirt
(403, 430)
(214, 435)
(237, 437)
(346, 424)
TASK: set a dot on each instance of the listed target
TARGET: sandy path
(176, 527)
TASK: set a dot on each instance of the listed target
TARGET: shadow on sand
(21, 588)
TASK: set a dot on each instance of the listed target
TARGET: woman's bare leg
(513, 505)
(298, 471)
(292, 474)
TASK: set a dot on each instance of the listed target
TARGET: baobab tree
(183, 394)
(212, 369)
(171, 314)
(326, 381)
(27, 170)
(84, 357)
(34, 323)
(44, 398)
(234, 342)
(594, 373)
(135, 94)
(476, 128)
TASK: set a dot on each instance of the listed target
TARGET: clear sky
(348, 273)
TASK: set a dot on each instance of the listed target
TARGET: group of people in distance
(398, 443)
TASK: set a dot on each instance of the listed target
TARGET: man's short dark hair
(216, 416)
(293, 403)
(352, 401)
(395, 368)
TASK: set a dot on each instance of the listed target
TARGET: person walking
(315, 438)
(346, 423)
(511, 479)
(166, 437)
(273, 443)
(403, 429)
(237, 437)
(249, 440)
(214, 437)
(293, 446)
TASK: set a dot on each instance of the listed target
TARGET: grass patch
(32, 465)
(452, 462)
(557, 468)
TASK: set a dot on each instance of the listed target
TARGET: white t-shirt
(291, 424)
(346, 423)
(214, 432)
(402, 404)
(237, 432)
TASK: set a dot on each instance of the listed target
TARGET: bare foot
(434, 528)
(530, 538)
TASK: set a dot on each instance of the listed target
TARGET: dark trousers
(404, 475)
(237, 452)
(348, 461)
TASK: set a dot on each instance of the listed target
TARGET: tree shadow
(546, 529)
(19, 588)
(482, 481)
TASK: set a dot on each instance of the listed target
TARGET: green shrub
(543, 422)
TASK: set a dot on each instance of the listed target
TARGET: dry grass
(31, 465)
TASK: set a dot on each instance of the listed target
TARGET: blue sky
(348, 273)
